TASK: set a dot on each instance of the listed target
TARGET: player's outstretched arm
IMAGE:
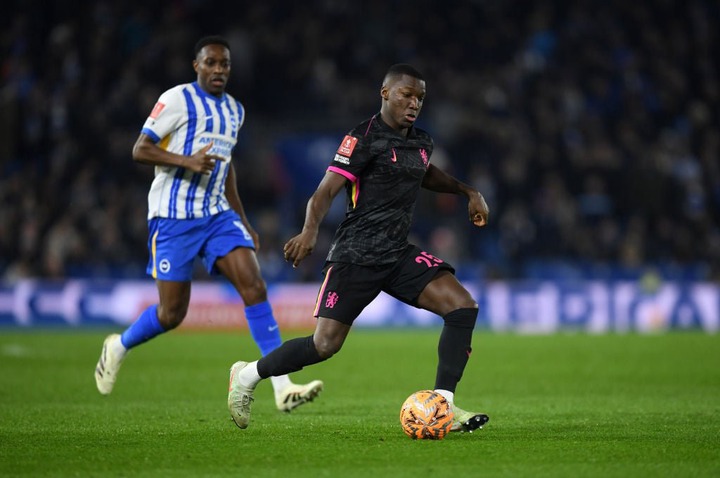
(439, 181)
(302, 245)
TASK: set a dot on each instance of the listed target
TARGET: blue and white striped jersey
(184, 120)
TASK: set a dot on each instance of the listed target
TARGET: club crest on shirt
(156, 110)
(347, 146)
(424, 156)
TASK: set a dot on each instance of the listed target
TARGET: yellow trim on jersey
(354, 194)
(154, 251)
(316, 310)
(163, 143)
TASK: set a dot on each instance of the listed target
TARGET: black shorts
(349, 288)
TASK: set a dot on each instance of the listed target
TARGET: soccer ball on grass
(426, 415)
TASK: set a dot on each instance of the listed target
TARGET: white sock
(280, 383)
(248, 376)
(118, 349)
(449, 396)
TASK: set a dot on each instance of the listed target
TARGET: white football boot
(108, 365)
(467, 421)
(295, 395)
(240, 398)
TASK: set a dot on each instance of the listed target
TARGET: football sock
(118, 349)
(279, 383)
(290, 357)
(263, 327)
(145, 327)
(248, 377)
(449, 396)
(454, 347)
(266, 333)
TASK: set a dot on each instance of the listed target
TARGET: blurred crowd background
(592, 128)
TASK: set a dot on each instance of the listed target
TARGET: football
(426, 415)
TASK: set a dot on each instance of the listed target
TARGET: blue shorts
(174, 243)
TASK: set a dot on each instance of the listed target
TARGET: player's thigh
(240, 266)
(329, 336)
(414, 271)
(444, 293)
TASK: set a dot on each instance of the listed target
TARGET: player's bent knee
(463, 301)
(171, 317)
(327, 348)
(254, 293)
(466, 303)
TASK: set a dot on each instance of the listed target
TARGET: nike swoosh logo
(272, 328)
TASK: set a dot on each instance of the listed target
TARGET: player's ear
(384, 93)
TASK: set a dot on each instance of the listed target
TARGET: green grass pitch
(565, 405)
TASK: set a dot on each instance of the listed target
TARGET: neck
(392, 124)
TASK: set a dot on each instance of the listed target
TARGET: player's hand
(478, 210)
(201, 161)
(299, 247)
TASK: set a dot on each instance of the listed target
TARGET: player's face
(403, 98)
(212, 66)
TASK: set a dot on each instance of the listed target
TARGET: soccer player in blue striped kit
(195, 210)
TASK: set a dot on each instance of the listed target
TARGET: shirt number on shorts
(428, 259)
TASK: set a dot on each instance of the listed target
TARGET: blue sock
(263, 327)
(145, 327)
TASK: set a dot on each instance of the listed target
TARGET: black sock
(290, 357)
(454, 347)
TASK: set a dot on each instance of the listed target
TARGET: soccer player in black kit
(382, 164)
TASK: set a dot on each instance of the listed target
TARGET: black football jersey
(384, 171)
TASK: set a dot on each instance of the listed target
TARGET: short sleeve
(351, 157)
(167, 115)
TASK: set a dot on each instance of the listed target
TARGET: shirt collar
(207, 95)
(411, 131)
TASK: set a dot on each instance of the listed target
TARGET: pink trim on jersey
(353, 179)
(322, 292)
(349, 176)
(370, 123)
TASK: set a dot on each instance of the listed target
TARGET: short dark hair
(399, 69)
(210, 40)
